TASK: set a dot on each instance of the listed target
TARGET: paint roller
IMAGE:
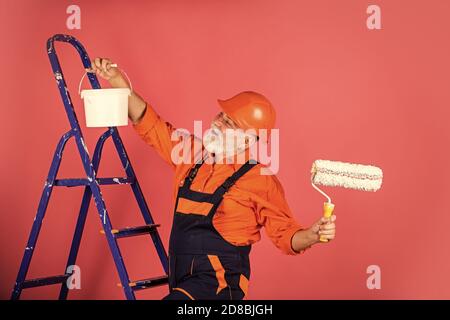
(343, 174)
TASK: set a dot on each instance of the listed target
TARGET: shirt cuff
(147, 121)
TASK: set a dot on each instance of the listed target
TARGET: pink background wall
(343, 92)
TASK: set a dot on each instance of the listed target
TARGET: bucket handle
(114, 65)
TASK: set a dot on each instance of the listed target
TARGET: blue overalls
(202, 264)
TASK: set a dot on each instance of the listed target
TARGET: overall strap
(191, 175)
(229, 182)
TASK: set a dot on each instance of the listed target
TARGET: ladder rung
(75, 182)
(45, 281)
(115, 180)
(148, 283)
(133, 231)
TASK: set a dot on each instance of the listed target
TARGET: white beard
(215, 142)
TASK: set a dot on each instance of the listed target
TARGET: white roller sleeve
(347, 175)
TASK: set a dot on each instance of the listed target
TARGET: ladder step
(75, 182)
(38, 282)
(148, 283)
(133, 231)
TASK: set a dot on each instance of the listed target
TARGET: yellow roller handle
(328, 208)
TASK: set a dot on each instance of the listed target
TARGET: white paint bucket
(105, 107)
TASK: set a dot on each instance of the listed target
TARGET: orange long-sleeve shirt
(255, 200)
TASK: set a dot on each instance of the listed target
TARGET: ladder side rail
(37, 223)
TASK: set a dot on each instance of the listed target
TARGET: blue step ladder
(91, 188)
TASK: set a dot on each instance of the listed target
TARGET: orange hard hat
(249, 110)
